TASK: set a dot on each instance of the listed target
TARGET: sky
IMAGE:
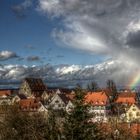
(73, 32)
(27, 31)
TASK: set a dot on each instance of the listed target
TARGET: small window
(130, 114)
(134, 109)
(56, 101)
(138, 114)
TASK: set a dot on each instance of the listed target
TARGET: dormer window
(57, 101)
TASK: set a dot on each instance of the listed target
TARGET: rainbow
(135, 81)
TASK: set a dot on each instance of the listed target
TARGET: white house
(60, 102)
(100, 107)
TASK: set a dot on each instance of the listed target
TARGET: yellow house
(133, 113)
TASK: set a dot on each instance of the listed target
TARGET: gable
(56, 100)
(35, 84)
(24, 88)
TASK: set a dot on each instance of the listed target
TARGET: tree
(112, 88)
(93, 86)
(19, 125)
(54, 126)
(77, 125)
(112, 93)
(22, 125)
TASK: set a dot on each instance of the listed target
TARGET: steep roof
(64, 98)
(22, 96)
(5, 93)
(36, 84)
(96, 98)
(126, 97)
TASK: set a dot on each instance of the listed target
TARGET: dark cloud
(60, 56)
(106, 27)
(98, 26)
(5, 55)
(20, 9)
(33, 58)
(30, 47)
(133, 39)
(20, 59)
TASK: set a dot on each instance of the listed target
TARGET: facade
(29, 105)
(133, 113)
(60, 102)
(100, 107)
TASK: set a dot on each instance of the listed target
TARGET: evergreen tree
(77, 125)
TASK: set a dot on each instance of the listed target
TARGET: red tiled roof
(127, 94)
(96, 98)
(5, 92)
(29, 104)
(126, 97)
(71, 96)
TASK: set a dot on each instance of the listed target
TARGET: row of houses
(34, 96)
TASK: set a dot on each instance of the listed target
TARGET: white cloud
(4, 55)
(98, 26)
(70, 75)
(105, 27)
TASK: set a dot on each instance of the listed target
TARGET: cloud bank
(67, 75)
(5, 55)
(106, 27)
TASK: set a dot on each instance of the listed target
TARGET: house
(127, 98)
(46, 95)
(5, 97)
(29, 105)
(42, 109)
(60, 102)
(32, 87)
(133, 113)
(100, 107)
(17, 98)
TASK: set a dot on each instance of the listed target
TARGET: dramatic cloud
(19, 9)
(33, 58)
(133, 39)
(105, 27)
(108, 27)
(5, 55)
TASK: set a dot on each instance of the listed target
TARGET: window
(134, 109)
(138, 114)
(130, 114)
(102, 114)
(57, 101)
